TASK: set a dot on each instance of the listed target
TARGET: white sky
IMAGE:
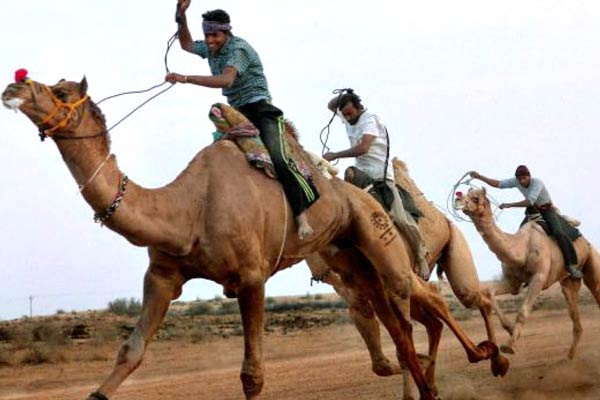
(461, 85)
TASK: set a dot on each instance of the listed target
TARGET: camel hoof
(489, 350)
(500, 365)
(385, 368)
(507, 349)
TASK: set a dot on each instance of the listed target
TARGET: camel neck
(499, 242)
(137, 218)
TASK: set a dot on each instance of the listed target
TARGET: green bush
(200, 308)
(123, 306)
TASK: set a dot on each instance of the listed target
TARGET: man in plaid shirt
(236, 69)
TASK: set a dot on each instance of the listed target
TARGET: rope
(451, 199)
(285, 217)
(170, 42)
(325, 148)
(91, 178)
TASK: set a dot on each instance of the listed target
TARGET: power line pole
(30, 306)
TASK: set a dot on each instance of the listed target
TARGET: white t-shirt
(373, 161)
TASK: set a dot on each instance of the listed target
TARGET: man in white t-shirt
(369, 143)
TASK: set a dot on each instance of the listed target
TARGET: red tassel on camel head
(21, 75)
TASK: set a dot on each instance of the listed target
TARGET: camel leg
(591, 274)
(361, 312)
(432, 302)
(393, 315)
(434, 334)
(499, 290)
(536, 285)
(160, 287)
(251, 299)
(462, 275)
(570, 289)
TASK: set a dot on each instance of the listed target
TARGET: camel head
(474, 204)
(57, 108)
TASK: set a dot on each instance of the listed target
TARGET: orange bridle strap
(59, 104)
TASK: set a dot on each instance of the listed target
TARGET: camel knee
(468, 299)
(131, 353)
(522, 316)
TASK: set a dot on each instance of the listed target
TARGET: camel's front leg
(536, 285)
(251, 299)
(570, 289)
(499, 290)
(160, 287)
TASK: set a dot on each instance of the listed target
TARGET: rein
(72, 108)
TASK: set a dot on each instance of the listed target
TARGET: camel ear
(83, 86)
(484, 190)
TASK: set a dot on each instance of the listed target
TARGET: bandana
(213, 27)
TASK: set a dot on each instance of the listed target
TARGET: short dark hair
(522, 170)
(217, 16)
(350, 97)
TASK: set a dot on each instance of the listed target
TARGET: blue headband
(213, 26)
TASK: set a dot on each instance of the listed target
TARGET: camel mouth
(13, 104)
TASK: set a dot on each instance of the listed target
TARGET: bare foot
(304, 228)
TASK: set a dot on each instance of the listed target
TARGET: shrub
(200, 308)
(123, 306)
(228, 307)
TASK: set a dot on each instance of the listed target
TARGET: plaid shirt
(250, 85)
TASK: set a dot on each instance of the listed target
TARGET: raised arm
(183, 32)
(332, 105)
(492, 182)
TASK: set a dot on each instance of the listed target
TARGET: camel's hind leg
(160, 287)
(570, 289)
(462, 275)
(591, 274)
(356, 272)
(433, 303)
(361, 312)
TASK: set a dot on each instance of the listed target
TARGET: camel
(234, 229)
(447, 248)
(531, 258)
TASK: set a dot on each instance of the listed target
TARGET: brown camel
(234, 229)
(531, 258)
(447, 248)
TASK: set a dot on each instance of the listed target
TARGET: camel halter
(58, 105)
(453, 196)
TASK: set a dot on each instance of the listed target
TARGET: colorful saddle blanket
(233, 125)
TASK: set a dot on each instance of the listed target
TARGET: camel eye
(61, 94)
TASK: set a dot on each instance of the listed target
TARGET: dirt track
(332, 364)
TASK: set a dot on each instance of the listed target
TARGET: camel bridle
(62, 124)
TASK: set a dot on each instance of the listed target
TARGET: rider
(236, 69)
(369, 146)
(537, 198)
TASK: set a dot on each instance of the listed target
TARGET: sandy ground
(331, 364)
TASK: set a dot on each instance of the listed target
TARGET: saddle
(382, 193)
(232, 125)
(567, 225)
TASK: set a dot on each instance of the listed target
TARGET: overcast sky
(461, 85)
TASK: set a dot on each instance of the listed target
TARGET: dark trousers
(556, 230)
(268, 119)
